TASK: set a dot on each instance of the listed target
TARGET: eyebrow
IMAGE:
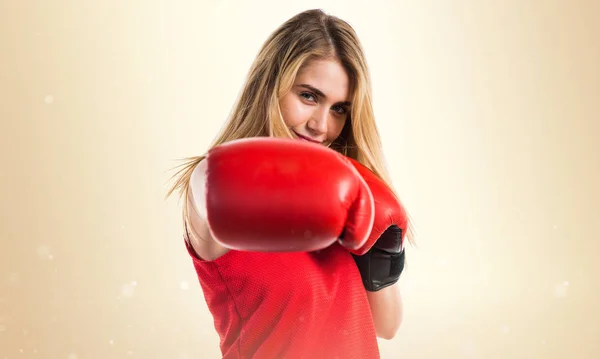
(321, 94)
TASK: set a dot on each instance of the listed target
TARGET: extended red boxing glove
(281, 195)
(389, 211)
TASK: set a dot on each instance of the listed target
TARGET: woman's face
(316, 107)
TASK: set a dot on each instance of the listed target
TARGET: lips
(306, 138)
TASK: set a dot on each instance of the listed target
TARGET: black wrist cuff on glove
(380, 268)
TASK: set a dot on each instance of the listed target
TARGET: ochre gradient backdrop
(490, 120)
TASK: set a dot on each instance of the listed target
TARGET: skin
(316, 107)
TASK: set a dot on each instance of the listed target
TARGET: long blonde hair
(309, 35)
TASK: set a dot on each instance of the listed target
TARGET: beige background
(490, 119)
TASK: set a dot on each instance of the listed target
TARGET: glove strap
(380, 268)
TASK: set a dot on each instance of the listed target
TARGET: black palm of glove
(382, 265)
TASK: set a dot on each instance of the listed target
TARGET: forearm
(380, 270)
(387, 310)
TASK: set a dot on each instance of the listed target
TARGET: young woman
(293, 228)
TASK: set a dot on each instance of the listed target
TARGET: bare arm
(198, 233)
(387, 311)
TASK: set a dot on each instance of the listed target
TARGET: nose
(318, 122)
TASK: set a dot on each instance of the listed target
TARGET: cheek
(294, 112)
(335, 127)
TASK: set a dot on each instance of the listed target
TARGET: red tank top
(288, 305)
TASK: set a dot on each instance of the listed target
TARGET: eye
(341, 110)
(308, 96)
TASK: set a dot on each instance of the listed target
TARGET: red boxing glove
(390, 215)
(280, 195)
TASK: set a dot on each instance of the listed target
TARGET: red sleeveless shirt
(288, 305)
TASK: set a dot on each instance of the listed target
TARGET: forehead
(329, 76)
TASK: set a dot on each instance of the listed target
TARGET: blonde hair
(309, 35)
